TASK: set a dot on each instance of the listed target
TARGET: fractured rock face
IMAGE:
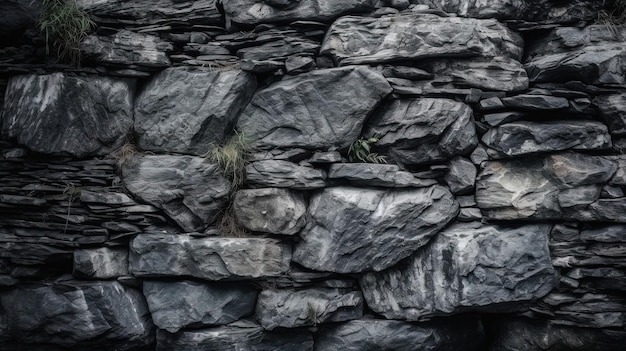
(351, 230)
(467, 266)
(127, 48)
(284, 174)
(270, 210)
(186, 110)
(65, 115)
(613, 111)
(101, 263)
(370, 174)
(315, 110)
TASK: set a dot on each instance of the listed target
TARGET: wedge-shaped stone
(307, 307)
(190, 190)
(180, 304)
(369, 174)
(188, 110)
(270, 210)
(66, 115)
(284, 174)
(159, 255)
(352, 230)
(466, 267)
(315, 110)
(417, 36)
(101, 263)
(423, 130)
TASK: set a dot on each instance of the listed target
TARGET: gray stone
(369, 334)
(66, 115)
(159, 255)
(619, 179)
(469, 214)
(368, 174)
(423, 130)
(496, 119)
(613, 233)
(100, 263)
(270, 210)
(612, 110)
(256, 66)
(284, 174)
(279, 50)
(257, 11)
(127, 48)
(325, 157)
(307, 307)
(319, 109)
(501, 9)
(461, 176)
(78, 315)
(405, 72)
(182, 304)
(535, 102)
(524, 137)
(298, 64)
(466, 267)
(416, 36)
(611, 192)
(188, 110)
(352, 230)
(191, 190)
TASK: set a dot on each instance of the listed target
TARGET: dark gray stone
(159, 255)
(404, 72)
(461, 176)
(535, 102)
(423, 130)
(279, 50)
(352, 230)
(612, 109)
(298, 64)
(127, 48)
(368, 174)
(191, 190)
(415, 36)
(188, 110)
(319, 109)
(496, 119)
(284, 174)
(270, 210)
(307, 307)
(182, 304)
(100, 263)
(466, 267)
(65, 115)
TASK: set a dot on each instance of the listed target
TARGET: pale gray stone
(100, 263)
(352, 230)
(159, 255)
(270, 210)
(461, 176)
(127, 48)
(384, 175)
(284, 174)
(466, 267)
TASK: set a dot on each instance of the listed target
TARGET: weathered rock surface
(270, 210)
(284, 174)
(77, 314)
(314, 110)
(461, 176)
(256, 11)
(307, 307)
(524, 137)
(369, 334)
(190, 190)
(351, 230)
(417, 36)
(180, 304)
(612, 109)
(101, 263)
(368, 174)
(126, 48)
(423, 130)
(187, 110)
(65, 115)
(466, 267)
(158, 255)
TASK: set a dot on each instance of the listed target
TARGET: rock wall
(498, 222)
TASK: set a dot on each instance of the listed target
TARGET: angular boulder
(466, 267)
(423, 130)
(284, 174)
(60, 114)
(191, 190)
(100, 263)
(352, 230)
(270, 210)
(320, 109)
(461, 176)
(354, 40)
(160, 255)
(612, 110)
(188, 110)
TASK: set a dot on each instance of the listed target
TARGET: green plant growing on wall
(613, 16)
(361, 151)
(64, 25)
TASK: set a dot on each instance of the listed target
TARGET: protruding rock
(270, 210)
(101, 263)
(352, 230)
(466, 267)
(613, 111)
(284, 174)
(461, 176)
(368, 174)
(127, 48)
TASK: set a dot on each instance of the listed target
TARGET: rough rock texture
(191, 190)
(77, 314)
(66, 115)
(351, 230)
(612, 109)
(157, 255)
(423, 130)
(284, 174)
(461, 176)
(101, 263)
(143, 51)
(415, 36)
(188, 110)
(369, 334)
(376, 175)
(270, 210)
(308, 307)
(467, 266)
(313, 110)
(176, 305)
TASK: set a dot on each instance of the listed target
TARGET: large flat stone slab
(352, 230)
(466, 267)
(127, 48)
(284, 174)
